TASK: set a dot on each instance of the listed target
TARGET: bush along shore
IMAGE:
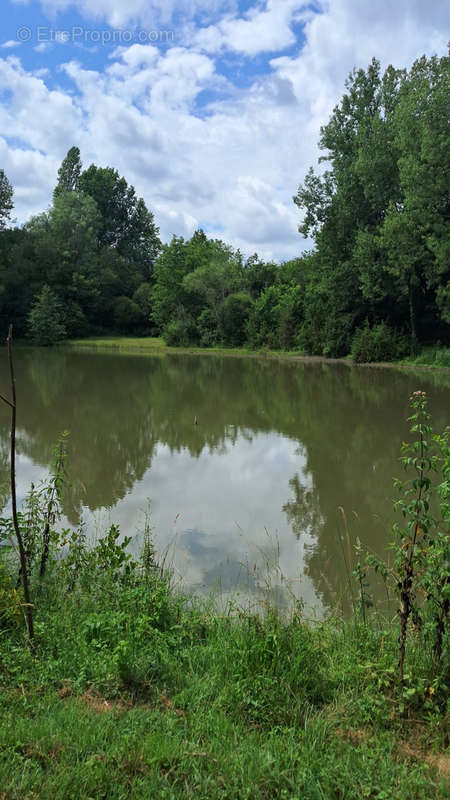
(113, 685)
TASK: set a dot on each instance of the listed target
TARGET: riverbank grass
(431, 357)
(149, 345)
(438, 357)
(130, 692)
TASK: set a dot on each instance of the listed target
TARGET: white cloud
(261, 29)
(32, 174)
(41, 118)
(232, 167)
(144, 12)
(10, 45)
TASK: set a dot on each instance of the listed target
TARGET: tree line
(376, 281)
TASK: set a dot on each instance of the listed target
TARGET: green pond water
(251, 498)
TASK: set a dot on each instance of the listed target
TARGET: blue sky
(211, 108)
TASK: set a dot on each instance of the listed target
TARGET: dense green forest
(376, 281)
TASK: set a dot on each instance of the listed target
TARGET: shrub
(235, 312)
(46, 319)
(181, 331)
(379, 343)
(325, 331)
(75, 321)
(207, 328)
(263, 322)
(127, 315)
(291, 316)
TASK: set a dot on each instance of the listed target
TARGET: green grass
(437, 357)
(149, 345)
(129, 692)
(431, 357)
(56, 748)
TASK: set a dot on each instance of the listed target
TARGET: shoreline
(151, 346)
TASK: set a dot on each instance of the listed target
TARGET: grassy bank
(435, 357)
(130, 693)
(156, 346)
(431, 357)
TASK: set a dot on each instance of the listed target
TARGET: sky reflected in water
(249, 497)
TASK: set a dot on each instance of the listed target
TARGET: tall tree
(379, 213)
(422, 136)
(69, 173)
(6, 200)
(410, 250)
(168, 293)
(211, 282)
(341, 201)
(126, 223)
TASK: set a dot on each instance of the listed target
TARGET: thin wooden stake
(23, 562)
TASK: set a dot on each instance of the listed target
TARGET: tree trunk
(412, 316)
(23, 562)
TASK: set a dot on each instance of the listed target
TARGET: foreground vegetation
(114, 686)
(128, 693)
(375, 284)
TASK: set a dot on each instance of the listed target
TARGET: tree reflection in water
(278, 444)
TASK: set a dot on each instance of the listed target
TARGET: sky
(210, 108)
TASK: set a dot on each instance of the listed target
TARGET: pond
(288, 464)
